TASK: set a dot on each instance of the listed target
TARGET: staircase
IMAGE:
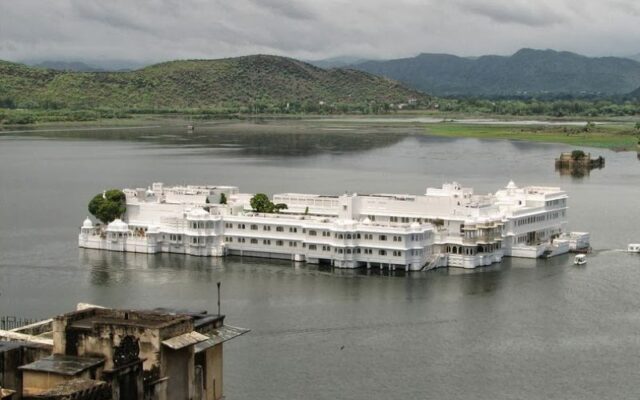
(435, 262)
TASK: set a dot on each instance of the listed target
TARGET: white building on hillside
(449, 226)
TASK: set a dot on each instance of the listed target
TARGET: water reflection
(575, 170)
(113, 268)
(256, 138)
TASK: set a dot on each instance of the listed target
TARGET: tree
(638, 126)
(109, 205)
(223, 198)
(577, 155)
(279, 206)
(261, 203)
(589, 126)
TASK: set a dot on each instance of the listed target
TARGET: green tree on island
(261, 203)
(109, 205)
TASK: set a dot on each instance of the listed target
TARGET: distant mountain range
(337, 62)
(83, 66)
(528, 72)
(635, 57)
(232, 82)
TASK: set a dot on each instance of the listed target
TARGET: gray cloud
(534, 14)
(157, 30)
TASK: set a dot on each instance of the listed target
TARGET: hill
(528, 72)
(258, 81)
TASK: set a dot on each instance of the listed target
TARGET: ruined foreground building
(106, 354)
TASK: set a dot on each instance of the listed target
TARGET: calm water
(523, 329)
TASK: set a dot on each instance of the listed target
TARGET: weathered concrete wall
(179, 366)
(214, 369)
(36, 382)
(10, 377)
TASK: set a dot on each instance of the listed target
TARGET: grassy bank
(611, 136)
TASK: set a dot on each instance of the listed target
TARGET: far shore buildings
(97, 353)
(447, 226)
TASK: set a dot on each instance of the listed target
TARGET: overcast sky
(156, 30)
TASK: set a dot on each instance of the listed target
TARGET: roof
(220, 335)
(63, 365)
(139, 318)
(8, 346)
(75, 386)
(184, 340)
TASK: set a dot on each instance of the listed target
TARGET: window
(241, 226)
(254, 241)
(326, 233)
(397, 253)
(312, 247)
(254, 227)
(382, 252)
(382, 237)
(293, 244)
(326, 248)
(340, 236)
(279, 229)
(397, 238)
(348, 236)
(348, 251)
(266, 228)
(266, 241)
(279, 243)
(358, 236)
(293, 230)
(312, 233)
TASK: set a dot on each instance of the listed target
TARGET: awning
(220, 335)
(184, 340)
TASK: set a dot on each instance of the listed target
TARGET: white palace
(448, 226)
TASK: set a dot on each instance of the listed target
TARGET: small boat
(580, 259)
(633, 248)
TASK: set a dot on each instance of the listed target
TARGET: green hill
(526, 73)
(256, 82)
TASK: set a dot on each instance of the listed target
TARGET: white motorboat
(580, 259)
(633, 248)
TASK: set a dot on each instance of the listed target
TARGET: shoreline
(617, 135)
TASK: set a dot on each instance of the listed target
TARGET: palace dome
(117, 225)
(87, 223)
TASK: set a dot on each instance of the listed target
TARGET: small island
(578, 163)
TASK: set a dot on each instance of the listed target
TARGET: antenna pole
(218, 284)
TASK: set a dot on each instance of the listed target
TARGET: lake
(526, 329)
